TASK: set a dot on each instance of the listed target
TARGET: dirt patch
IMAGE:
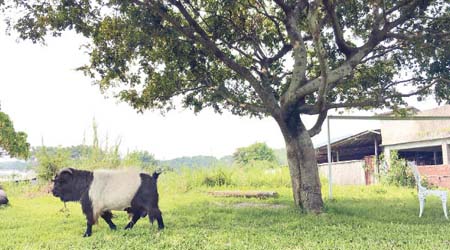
(252, 205)
(245, 194)
(260, 205)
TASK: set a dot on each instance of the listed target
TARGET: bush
(218, 177)
(399, 173)
(51, 162)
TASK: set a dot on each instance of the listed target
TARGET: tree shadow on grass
(388, 210)
(381, 209)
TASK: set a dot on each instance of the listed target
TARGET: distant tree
(280, 154)
(193, 161)
(226, 160)
(255, 152)
(14, 143)
(142, 159)
(75, 152)
(280, 58)
(51, 161)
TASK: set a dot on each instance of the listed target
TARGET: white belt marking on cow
(113, 190)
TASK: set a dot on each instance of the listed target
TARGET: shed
(352, 158)
(351, 147)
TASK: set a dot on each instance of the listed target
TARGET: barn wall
(345, 172)
(401, 131)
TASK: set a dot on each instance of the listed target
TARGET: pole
(330, 177)
(377, 170)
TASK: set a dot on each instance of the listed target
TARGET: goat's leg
(107, 216)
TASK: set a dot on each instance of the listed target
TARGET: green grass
(375, 217)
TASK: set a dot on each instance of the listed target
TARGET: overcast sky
(46, 98)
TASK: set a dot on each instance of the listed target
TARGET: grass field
(375, 217)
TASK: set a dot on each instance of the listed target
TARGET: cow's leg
(107, 216)
(86, 205)
(136, 216)
(133, 221)
(155, 213)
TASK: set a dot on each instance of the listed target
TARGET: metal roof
(352, 147)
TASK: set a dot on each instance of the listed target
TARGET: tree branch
(381, 52)
(299, 51)
(282, 52)
(315, 29)
(343, 46)
(265, 94)
(228, 96)
(271, 18)
(318, 125)
(314, 109)
(283, 6)
(347, 67)
(416, 92)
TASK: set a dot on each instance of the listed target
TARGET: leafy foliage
(142, 159)
(399, 174)
(151, 51)
(256, 152)
(14, 143)
(50, 162)
(218, 177)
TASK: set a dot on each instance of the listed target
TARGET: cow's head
(64, 185)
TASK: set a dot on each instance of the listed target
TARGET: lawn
(374, 217)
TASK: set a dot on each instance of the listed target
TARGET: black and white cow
(101, 191)
(3, 197)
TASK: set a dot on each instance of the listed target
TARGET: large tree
(280, 58)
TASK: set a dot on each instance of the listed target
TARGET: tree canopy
(233, 54)
(14, 143)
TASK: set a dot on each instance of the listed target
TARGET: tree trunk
(302, 163)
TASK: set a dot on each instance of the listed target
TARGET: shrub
(217, 177)
(50, 162)
(399, 173)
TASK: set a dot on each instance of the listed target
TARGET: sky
(53, 103)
